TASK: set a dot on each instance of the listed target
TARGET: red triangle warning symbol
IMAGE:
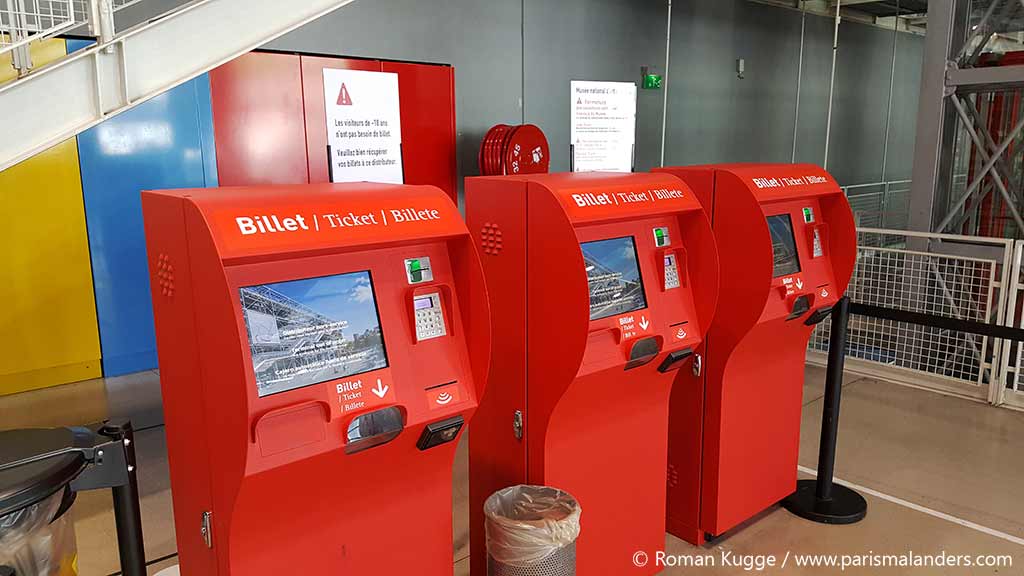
(343, 98)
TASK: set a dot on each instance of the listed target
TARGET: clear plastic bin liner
(526, 524)
(33, 543)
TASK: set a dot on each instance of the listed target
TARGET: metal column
(936, 117)
(951, 73)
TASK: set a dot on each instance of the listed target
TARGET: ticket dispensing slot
(374, 429)
(643, 351)
(801, 304)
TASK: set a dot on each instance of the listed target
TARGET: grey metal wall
(514, 60)
(862, 90)
(606, 40)
(481, 38)
(714, 116)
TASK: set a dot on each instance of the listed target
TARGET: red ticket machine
(601, 288)
(787, 243)
(321, 347)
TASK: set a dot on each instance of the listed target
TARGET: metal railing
(26, 21)
(22, 21)
(890, 274)
(1012, 394)
(880, 204)
(926, 273)
(885, 204)
(128, 67)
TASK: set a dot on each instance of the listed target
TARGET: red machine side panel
(427, 97)
(316, 114)
(498, 226)
(180, 380)
(258, 120)
(687, 403)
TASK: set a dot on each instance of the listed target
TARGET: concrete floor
(953, 456)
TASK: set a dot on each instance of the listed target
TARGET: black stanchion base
(845, 507)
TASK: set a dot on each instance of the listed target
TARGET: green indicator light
(808, 215)
(661, 237)
(651, 82)
(415, 272)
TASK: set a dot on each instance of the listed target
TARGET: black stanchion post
(821, 500)
(127, 514)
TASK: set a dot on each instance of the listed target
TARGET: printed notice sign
(603, 126)
(364, 131)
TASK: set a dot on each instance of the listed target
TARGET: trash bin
(531, 531)
(37, 536)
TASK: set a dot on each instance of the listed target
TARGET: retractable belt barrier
(822, 500)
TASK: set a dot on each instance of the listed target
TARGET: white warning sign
(364, 130)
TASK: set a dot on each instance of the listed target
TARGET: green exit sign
(652, 82)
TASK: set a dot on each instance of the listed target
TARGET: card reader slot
(440, 385)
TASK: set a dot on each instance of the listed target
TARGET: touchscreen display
(613, 277)
(784, 256)
(308, 331)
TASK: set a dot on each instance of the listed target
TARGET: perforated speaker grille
(673, 476)
(490, 239)
(165, 275)
(561, 563)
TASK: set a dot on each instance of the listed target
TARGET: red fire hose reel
(514, 150)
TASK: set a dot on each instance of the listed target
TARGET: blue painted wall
(166, 142)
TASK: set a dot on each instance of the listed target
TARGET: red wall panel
(258, 120)
(427, 95)
(316, 116)
(270, 123)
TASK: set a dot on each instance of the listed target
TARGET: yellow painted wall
(48, 330)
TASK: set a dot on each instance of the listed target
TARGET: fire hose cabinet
(321, 349)
(601, 287)
(787, 242)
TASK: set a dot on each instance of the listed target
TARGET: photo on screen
(785, 259)
(613, 277)
(308, 331)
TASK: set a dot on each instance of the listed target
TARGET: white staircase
(54, 102)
